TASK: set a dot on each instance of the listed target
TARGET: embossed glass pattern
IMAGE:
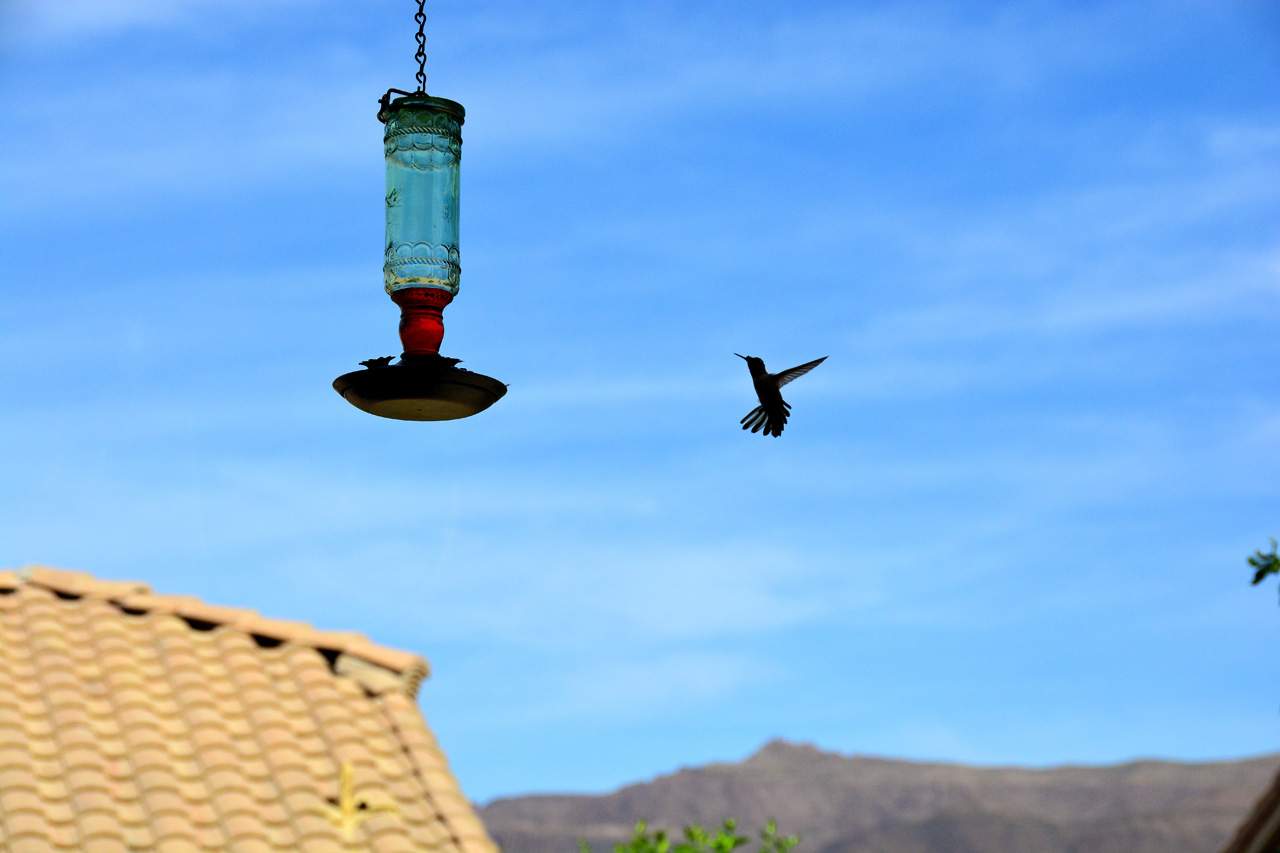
(423, 143)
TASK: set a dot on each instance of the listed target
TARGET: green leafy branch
(699, 840)
(1265, 565)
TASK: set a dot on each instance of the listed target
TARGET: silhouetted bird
(771, 414)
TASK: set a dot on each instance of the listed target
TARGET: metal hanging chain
(384, 103)
(421, 55)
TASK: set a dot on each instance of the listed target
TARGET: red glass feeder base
(421, 321)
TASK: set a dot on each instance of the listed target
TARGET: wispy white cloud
(35, 20)
(556, 593)
(1233, 289)
(170, 141)
(570, 94)
(630, 690)
(1245, 139)
(663, 68)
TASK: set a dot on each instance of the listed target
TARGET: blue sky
(1007, 522)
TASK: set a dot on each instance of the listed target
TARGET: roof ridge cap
(77, 583)
(376, 678)
(408, 667)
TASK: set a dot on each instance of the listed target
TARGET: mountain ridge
(869, 804)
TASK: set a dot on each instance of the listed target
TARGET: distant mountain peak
(863, 804)
(780, 748)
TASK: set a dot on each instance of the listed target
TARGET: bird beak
(743, 357)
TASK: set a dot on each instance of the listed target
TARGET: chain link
(421, 55)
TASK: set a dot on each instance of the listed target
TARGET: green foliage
(1265, 565)
(698, 840)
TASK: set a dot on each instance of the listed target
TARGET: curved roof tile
(136, 721)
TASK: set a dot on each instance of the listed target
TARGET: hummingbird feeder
(422, 141)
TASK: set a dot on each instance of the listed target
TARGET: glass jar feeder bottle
(423, 146)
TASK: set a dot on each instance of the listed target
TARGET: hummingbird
(772, 411)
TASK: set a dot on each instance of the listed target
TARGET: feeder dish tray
(419, 388)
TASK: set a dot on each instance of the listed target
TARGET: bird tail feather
(754, 421)
(761, 418)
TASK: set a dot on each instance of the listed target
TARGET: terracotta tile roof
(131, 721)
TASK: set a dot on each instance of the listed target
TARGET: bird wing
(796, 372)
